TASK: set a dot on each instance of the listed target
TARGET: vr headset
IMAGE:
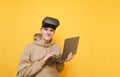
(50, 22)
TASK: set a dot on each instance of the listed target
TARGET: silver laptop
(70, 45)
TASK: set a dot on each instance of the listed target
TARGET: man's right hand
(49, 56)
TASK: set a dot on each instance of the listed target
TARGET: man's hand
(69, 57)
(49, 56)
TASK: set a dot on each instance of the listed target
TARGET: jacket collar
(41, 42)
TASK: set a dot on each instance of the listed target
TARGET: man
(34, 61)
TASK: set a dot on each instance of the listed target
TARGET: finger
(51, 53)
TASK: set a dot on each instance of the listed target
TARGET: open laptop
(70, 45)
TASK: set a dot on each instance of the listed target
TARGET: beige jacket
(32, 64)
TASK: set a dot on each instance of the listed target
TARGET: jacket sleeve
(60, 66)
(26, 68)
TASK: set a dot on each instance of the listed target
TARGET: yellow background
(97, 22)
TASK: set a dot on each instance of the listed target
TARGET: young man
(34, 61)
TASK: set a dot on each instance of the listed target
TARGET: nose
(48, 31)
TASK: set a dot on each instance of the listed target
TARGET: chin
(47, 39)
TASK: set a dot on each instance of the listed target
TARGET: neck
(47, 41)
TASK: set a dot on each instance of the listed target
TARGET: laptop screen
(70, 45)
